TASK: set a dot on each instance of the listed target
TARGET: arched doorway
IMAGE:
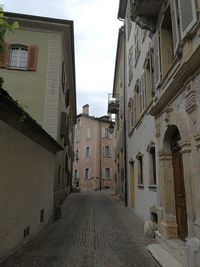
(179, 188)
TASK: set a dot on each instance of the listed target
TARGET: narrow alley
(95, 230)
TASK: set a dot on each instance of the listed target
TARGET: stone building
(172, 69)
(139, 124)
(116, 106)
(38, 67)
(27, 163)
(93, 152)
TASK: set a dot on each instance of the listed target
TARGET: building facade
(116, 106)
(38, 68)
(164, 133)
(139, 138)
(93, 152)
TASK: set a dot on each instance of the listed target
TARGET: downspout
(125, 124)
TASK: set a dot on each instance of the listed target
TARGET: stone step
(163, 257)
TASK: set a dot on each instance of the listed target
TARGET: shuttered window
(17, 56)
(107, 173)
(175, 24)
(133, 112)
(107, 151)
(63, 127)
(156, 59)
(188, 16)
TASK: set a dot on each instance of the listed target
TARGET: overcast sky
(96, 30)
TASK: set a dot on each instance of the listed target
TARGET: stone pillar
(167, 218)
(192, 252)
(188, 177)
(197, 181)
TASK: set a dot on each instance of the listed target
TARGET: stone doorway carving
(179, 187)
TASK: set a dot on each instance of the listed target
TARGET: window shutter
(88, 133)
(63, 128)
(90, 151)
(103, 132)
(110, 152)
(175, 28)
(103, 173)
(4, 55)
(156, 59)
(103, 151)
(89, 173)
(111, 173)
(188, 16)
(32, 57)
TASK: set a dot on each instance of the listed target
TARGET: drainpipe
(100, 156)
(124, 122)
(125, 125)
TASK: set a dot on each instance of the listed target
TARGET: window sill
(141, 186)
(153, 187)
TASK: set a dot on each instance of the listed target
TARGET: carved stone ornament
(190, 97)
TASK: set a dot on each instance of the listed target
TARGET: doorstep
(168, 252)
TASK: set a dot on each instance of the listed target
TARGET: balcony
(145, 13)
(113, 104)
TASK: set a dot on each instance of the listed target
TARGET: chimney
(86, 109)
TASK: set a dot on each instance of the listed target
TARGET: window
(148, 79)
(79, 123)
(19, 56)
(107, 173)
(59, 174)
(42, 215)
(130, 64)
(142, 94)
(166, 43)
(88, 134)
(137, 43)
(87, 173)
(77, 136)
(153, 180)
(140, 169)
(107, 151)
(87, 152)
(105, 133)
(76, 174)
(77, 155)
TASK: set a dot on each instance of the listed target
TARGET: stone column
(188, 177)
(167, 218)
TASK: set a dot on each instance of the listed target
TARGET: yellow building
(38, 68)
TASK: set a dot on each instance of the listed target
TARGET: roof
(16, 117)
(52, 24)
(102, 119)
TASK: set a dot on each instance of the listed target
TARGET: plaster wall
(27, 180)
(28, 87)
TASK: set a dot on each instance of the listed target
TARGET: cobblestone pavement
(96, 230)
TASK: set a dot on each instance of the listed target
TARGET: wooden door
(180, 201)
(132, 186)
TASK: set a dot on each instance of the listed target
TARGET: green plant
(5, 25)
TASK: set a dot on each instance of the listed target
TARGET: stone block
(192, 252)
(150, 228)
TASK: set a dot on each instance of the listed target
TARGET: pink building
(94, 166)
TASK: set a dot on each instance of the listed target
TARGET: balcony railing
(145, 13)
(113, 103)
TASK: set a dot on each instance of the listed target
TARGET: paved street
(96, 230)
